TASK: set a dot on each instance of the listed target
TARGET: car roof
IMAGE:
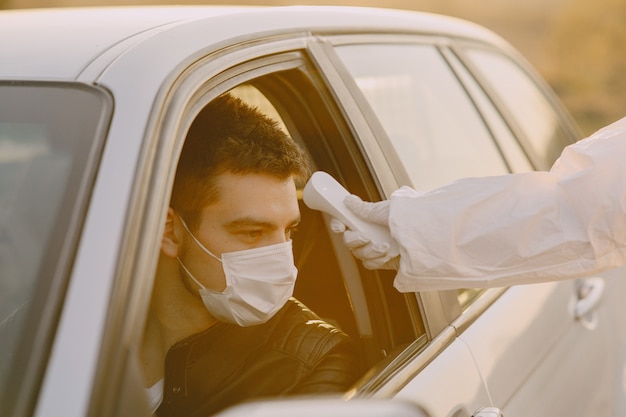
(60, 43)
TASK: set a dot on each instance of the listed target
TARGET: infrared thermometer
(325, 194)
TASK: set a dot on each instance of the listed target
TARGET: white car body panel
(527, 317)
(525, 366)
(89, 34)
(218, 25)
(452, 371)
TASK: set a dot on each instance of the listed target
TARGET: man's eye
(252, 234)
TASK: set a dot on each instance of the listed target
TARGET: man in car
(222, 327)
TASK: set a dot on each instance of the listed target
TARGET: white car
(94, 107)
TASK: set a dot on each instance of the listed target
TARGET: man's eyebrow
(251, 221)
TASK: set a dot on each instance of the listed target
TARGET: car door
(444, 124)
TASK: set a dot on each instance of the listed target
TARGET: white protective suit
(517, 228)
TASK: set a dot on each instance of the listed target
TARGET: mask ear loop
(208, 252)
(195, 239)
(189, 274)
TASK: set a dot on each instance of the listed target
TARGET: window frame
(117, 382)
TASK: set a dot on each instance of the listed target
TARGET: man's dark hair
(230, 136)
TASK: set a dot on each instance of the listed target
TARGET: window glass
(43, 158)
(510, 147)
(533, 112)
(438, 133)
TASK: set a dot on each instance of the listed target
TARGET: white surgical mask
(259, 282)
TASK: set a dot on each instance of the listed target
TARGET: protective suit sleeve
(518, 228)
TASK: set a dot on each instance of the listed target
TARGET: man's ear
(170, 244)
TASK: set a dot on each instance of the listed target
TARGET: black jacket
(293, 353)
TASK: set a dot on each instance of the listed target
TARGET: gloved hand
(374, 255)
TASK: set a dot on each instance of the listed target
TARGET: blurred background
(579, 46)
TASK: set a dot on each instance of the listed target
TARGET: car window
(534, 114)
(515, 155)
(44, 158)
(438, 133)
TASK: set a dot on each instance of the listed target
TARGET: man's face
(253, 210)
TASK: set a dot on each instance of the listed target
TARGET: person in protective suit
(505, 230)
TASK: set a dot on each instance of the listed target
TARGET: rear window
(534, 113)
(50, 136)
(439, 134)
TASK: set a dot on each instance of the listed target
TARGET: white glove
(374, 255)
